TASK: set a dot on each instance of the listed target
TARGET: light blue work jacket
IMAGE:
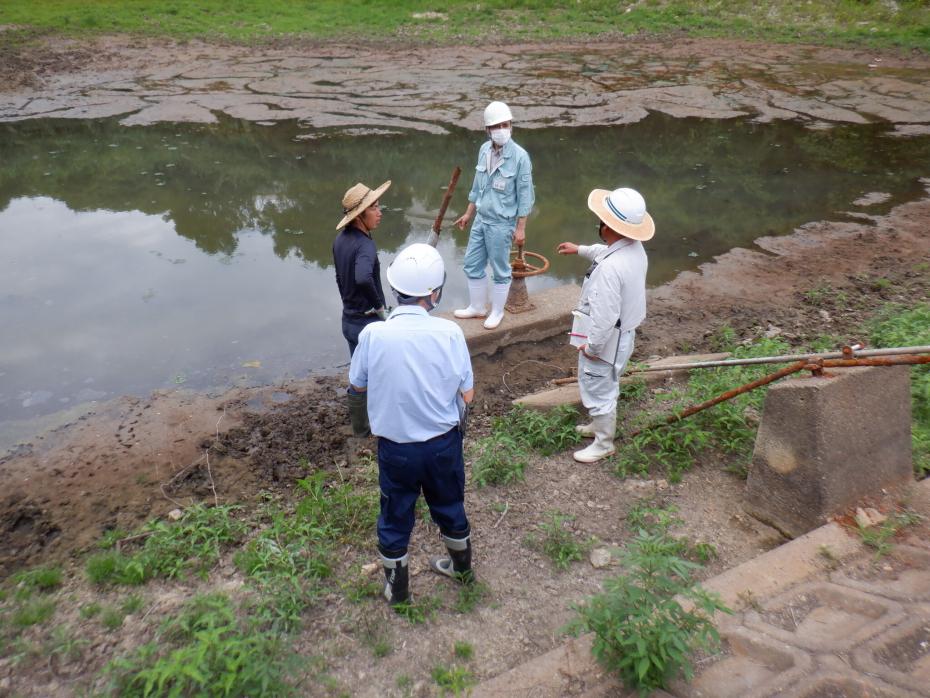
(506, 193)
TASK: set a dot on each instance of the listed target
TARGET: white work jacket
(614, 289)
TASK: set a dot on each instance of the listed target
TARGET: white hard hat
(497, 113)
(417, 271)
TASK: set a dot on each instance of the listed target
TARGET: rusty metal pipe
(902, 360)
(783, 359)
(728, 395)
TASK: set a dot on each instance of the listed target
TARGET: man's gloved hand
(382, 313)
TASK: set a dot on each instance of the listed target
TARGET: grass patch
(500, 458)
(453, 679)
(557, 542)
(729, 427)
(879, 537)
(870, 23)
(170, 550)
(38, 579)
(205, 651)
(898, 327)
(32, 612)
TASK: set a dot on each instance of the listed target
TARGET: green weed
(897, 327)
(557, 542)
(455, 680)
(33, 612)
(112, 618)
(727, 427)
(642, 632)
(496, 460)
(132, 604)
(170, 550)
(470, 596)
(39, 578)
(879, 537)
(463, 650)
(205, 651)
(64, 645)
(89, 610)
(418, 611)
(544, 432)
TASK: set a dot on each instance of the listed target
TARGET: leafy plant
(463, 650)
(169, 550)
(557, 542)
(642, 632)
(497, 460)
(878, 537)
(470, 596)
(205, 652)
(544, 432)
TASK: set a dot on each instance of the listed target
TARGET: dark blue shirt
(358, 272)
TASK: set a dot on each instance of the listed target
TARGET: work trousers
(489, 242)
(435, 467)
(352, 327)
(599, 381)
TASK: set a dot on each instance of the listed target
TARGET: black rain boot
(458, 564)
(397, 579)
(358, 412)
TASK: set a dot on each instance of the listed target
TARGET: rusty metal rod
(819, 365)
(903, 360)
(892, 351)
(728, 395)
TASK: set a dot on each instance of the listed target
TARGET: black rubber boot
(396, 579)
(458, 564)
(358, 412)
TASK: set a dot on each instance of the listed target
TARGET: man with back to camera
(611, 307)
(500, 199)
(417, 374)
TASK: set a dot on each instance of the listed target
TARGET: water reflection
(136, 258)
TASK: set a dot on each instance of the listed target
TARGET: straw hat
(623, 210)
(357, 199)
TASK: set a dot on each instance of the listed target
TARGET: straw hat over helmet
(623, 210)
(357, 199)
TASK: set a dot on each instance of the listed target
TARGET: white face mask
(500, 135)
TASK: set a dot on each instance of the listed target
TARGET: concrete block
(548, 399)
(827, 442)
(552, 316)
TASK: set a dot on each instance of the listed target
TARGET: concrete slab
(552, 316)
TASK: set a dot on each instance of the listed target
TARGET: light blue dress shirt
(415, 367)
(504, 191)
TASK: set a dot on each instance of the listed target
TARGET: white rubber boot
(498, 300)
(605, 427)
(586, 430)
(477, 300)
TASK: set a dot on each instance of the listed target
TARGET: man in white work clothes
(612, 306)
(417, 373)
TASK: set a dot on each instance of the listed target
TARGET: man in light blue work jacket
(500, 199)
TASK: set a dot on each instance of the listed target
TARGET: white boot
(585, 430)
(498, 300)
(477, 299)
(605, 427)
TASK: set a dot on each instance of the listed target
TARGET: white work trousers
(599, 381)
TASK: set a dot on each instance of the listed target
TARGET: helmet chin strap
(415, 300)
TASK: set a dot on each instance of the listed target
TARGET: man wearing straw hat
(612, 305)
(358, 275)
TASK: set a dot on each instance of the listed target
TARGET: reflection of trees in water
(718, 183)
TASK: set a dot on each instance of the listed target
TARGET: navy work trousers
(437, 467)
(352, 327)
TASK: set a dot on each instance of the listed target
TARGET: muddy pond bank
(128, 461)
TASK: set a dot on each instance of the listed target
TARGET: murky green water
(139, 258)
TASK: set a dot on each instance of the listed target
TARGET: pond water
(140, 258)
